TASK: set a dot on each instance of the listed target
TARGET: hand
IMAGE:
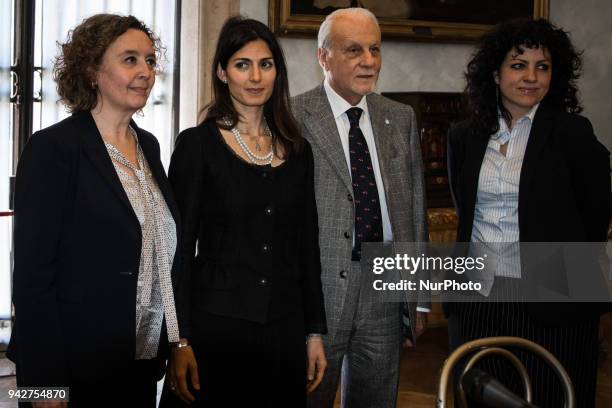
(419, 328)
(50, 404)
(182, 364)
(316, 363)
(421, 323)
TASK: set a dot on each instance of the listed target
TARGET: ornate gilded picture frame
(417, 20)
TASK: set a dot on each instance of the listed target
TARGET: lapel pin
(387, 121)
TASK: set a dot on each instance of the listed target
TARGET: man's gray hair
(324, 40)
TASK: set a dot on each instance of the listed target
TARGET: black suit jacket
(564, 184)
(77, 254)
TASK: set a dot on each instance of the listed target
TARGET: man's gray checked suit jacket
(399, 154)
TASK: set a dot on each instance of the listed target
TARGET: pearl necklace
(255, 159)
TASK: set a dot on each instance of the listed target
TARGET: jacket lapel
(538, 137)
(476, 146)
(384, 133)
(322, 127)
(98, 155)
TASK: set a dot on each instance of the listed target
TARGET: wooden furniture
(435, 111)
(442, 228)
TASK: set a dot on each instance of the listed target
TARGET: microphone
(480, 387)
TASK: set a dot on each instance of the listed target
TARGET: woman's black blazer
(77, 254)
(564, 183)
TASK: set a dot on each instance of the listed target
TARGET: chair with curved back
(481, 348)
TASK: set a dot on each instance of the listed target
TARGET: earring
(93, 84)
(224, 80)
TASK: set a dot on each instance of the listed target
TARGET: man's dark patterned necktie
(368, 220)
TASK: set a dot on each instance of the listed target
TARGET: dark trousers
(575, 346)
(132, 386)
(247, 364)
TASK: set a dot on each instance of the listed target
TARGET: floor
(419, 373)
(421, 366)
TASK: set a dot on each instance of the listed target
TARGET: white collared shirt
(496, 210)
(339, 107)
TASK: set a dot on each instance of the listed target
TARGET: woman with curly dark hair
(525, 167)
(96, 229)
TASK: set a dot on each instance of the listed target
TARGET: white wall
(406, 66)
(409, 66)
(588, 21)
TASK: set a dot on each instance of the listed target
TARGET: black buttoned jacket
(77, 256)
(250, 240)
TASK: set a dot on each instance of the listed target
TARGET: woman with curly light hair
(96, 229)
(526, 167)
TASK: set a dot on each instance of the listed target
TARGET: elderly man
(369, 188)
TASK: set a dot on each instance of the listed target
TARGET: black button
(263, 281)
(264, 174)
(343, 274)
(349, 197)
(265, 248)
(269, 210)
(347, 234)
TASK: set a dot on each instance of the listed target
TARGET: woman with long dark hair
(526, 167)
(250, 303)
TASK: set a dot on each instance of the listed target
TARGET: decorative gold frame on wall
(283, 23)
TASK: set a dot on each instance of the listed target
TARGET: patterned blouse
(154, 297)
